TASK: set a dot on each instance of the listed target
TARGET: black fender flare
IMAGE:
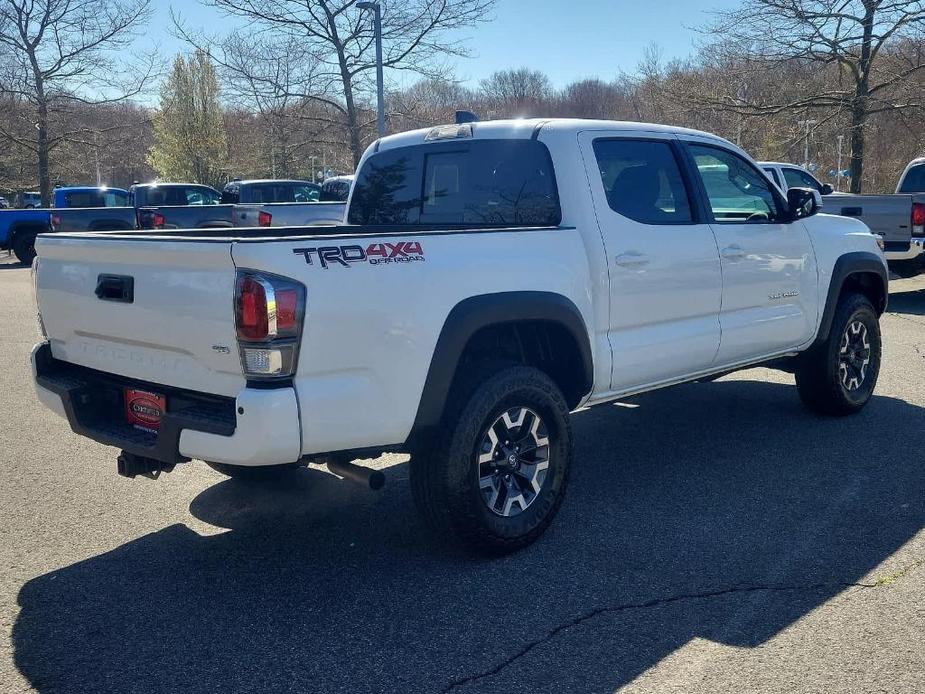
(855, 263)
(478, 312)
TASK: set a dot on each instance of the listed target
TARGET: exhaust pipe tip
(374, 479)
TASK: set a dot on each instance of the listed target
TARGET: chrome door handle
(632, 260)
(733, 253)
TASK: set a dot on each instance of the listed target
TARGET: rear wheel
(838, 377)
(256, 473)
(497, 472)
(24, 247)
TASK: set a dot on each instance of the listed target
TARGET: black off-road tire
(445, 476)
(258, 473)
(24, 247)
(821, 380)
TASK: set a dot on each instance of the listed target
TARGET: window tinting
(169, 195)
(642, 181)
(774, 176)
(736, 191)
(800, 179)
(475, 183)
(282, 192)
(914, 181)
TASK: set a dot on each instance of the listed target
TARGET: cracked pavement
(715, 538)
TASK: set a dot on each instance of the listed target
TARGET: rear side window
(914, 180)
(473, 183)
(774, 177)
(643, 181)
(171, 195)
(84, 199)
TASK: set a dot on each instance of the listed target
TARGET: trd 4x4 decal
(374, 254)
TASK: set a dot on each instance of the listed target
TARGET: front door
(665, 282)
(769, 268)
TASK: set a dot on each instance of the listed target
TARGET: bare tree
(520, 92)
(841, 44)
(61, 53)
(335, 41)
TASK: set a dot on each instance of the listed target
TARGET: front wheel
(838, 377)
(498, 470)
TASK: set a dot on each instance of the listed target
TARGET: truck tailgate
(890, 216)
(165, 315)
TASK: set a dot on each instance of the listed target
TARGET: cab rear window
(914, 180)
(477, 183)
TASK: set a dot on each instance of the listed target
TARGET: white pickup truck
(491, 278)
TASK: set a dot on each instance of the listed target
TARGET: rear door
(769, 268)
(153, 310)
(665, 282)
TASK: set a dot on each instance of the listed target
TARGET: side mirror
(827, 189)
(803, 202)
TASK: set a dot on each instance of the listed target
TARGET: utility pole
(838, 168)
(807, 124)
(376, 9)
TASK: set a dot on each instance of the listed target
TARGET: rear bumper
(915, 250)
(258, 427)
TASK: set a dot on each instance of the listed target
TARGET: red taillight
(253, 316)
(269, 311)
(918, 219)
(56, 222)
(264, 219)
(157, 220)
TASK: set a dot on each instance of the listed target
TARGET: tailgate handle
(116, 288)
(852, 211)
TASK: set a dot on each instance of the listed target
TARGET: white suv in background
(788, 176)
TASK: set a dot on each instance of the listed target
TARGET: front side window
(736, 190)
(800, 179)
(643, 181)
(473, 183)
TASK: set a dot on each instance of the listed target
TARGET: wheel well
(870, 285)
(27, 228)
(545, 345)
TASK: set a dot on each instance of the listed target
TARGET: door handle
(632, 259)
(733, 252)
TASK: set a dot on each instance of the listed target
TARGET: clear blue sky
(565, 39)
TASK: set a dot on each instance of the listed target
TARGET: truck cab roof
(526, 128)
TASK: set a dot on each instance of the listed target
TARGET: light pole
(807, 124)
(838, 168)
(377, 28)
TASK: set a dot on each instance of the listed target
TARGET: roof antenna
(466, 117)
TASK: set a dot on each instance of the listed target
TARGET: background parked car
(30, 200)
(336, 189)
(788, 176)
(4, 203)
(270, 191)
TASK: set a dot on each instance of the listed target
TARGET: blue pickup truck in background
(76, 208)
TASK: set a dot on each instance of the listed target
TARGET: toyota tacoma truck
(490, 278)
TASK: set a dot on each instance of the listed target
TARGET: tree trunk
(42, 146)
(858, 124)
(859, 105)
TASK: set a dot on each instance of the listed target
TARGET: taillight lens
(918, 219)
(55, 222)
(157, 220)
(269, 313)
(264, 219)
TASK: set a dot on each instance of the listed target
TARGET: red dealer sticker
(143, 410)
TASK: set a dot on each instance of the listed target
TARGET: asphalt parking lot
(715, 538)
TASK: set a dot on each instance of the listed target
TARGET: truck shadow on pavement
(910, 302)
(721, 511)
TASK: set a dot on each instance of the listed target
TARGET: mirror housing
(827, 189)
(803, 203)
